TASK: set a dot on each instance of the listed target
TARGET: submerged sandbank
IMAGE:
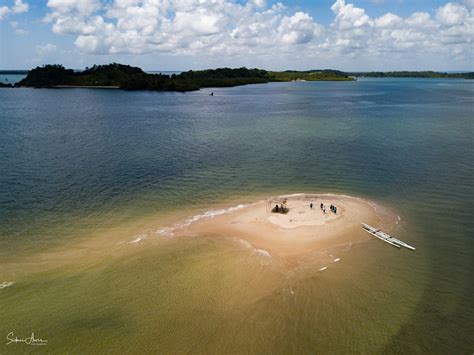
(301, 235)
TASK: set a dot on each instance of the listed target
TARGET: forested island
(133, 78)
(413, 74)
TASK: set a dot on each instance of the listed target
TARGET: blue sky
(196, 34)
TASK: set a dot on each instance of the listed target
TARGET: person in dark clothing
(311, 205)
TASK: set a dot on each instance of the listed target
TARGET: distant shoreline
(126, 77)
(120, 76)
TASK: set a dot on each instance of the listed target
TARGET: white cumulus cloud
(46, 49)
(452, 14)
(255, 29)
(388, 20)
(18, 7)
(4, 10)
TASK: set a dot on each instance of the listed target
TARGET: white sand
(299, 232)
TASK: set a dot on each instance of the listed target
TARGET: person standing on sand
(322, 205)
(311, 205)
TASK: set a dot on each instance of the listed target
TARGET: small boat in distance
(385, 237)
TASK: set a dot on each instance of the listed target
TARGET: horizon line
(281, 70)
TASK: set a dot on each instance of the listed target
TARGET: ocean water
(80, 165)
(11, 78)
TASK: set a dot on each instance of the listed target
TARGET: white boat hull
(386, 238)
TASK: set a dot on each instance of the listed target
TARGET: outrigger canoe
(385, 237)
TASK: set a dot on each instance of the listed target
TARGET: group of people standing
(333, 208)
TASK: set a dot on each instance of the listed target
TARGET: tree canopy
(133, 78)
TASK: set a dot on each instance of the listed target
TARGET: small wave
(263, 252)
(207, 214)
(323, 268)
(254, 251)
(168, 231)
(292, 195)
(165, 232)
(6, 284)
(138, 239)
(336, 260)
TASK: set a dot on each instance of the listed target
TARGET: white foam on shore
(292, 195)
(169, 231)
(6, 284)
(211, 214)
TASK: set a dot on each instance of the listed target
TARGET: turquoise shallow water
(79, 160)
